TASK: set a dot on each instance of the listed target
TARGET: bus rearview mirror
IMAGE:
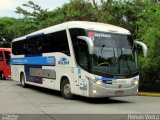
(144, 47)
(89, 43)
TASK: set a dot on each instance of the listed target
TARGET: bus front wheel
(22, 80)
(66, 89)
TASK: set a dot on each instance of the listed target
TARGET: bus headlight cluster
(136, 82)
(97, 82)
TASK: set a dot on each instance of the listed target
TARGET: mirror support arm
(89, 43)
(145, 49)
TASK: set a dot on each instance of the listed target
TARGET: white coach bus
(78, 58)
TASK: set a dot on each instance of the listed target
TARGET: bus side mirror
(89, 43)
(144, 47)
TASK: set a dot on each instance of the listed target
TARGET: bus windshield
(114, 54)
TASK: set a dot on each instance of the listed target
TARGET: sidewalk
(148, 94)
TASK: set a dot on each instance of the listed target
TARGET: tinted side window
(7, 57)
(33, 45)
(54, 42)
(28, 46)
(80, 47)
(1, 56)
(74, 33)
(83, 55)
(16, 47)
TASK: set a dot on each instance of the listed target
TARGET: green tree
(7, 31)
(32, 11)
(149, 31)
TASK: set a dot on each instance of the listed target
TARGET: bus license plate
(119, 92)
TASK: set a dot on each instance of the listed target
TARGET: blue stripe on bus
(105, 79)
(36, 60)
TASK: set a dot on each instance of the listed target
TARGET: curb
(148, 94)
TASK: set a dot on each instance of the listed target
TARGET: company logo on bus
(63, 61)
(91, 35)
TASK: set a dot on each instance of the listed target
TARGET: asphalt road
(33, 100)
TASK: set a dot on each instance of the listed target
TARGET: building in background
(158, 1)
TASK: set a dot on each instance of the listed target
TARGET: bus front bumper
(112, 91)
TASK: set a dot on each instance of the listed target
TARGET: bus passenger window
(7, 57)
(56, 42)
(1, 56)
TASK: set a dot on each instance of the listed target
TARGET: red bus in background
(5, 69)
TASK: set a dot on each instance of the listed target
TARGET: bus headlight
(136, 82)
(97, 82)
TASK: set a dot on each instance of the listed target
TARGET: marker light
(94, 91)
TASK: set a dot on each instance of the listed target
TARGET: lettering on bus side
(63, 61)
(83, 86)
(36, 60)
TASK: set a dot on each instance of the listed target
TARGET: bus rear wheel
(22, 80)
(2, 76)
(66, 89)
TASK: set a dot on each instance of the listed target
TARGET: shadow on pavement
(6, 80)
(105, 100)
(43, 90)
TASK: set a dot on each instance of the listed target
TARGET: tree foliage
(7, 31)
(149, 31)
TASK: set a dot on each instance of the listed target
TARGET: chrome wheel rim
(67, 89)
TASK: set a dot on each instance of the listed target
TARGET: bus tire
(2, 76)
(66, 89)
(22, 80)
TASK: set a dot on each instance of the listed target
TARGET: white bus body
(57, 58)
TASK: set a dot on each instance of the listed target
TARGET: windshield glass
(114, 54)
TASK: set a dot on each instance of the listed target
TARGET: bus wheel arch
(22, 80)
(65, 88)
